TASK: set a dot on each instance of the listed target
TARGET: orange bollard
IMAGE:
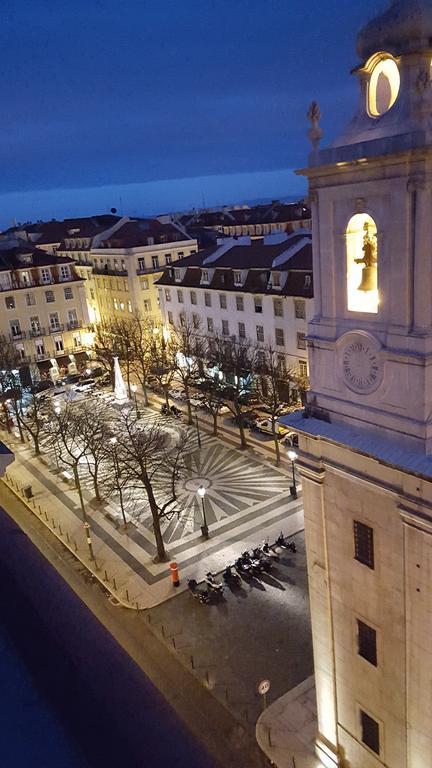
(174, 574)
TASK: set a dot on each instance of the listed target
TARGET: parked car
(290, 440)
(85, 385)
(197, 401)
(265, 426)
(249, 418)
(177, 394)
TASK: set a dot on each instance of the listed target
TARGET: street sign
(264, 687)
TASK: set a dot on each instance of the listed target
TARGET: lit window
(237, 278)
(115, 302)
(383, 88)
(155, 262)
(129, 306)
(362, 264)
(141, 265)
(167, 295)
(177, 275)
(10, 302)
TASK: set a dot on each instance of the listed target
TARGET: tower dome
(405, 27)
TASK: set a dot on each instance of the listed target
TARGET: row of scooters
(252, 563)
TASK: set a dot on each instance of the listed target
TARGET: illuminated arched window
(384, 85)
(362, 264)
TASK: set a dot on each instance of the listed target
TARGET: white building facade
(365, 446)
(261, 290)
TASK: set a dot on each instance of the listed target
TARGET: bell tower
(366, 432)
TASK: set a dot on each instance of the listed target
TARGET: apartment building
(127, 261)
(44, 309)
(257, 289)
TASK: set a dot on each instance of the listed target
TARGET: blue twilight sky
(102, 98)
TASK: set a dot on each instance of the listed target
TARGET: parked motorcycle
(229, 576)
(200, 594)
(268, 551)
(282, 542)
(214, 586)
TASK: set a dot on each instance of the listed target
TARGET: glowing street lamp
(292, 455)
(204, 527)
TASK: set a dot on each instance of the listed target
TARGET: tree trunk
(36, 445)
(243, 441)
(160, 546)
(189, 407)
(215, 424)
(145, 395)
(78, 487)
(165, 386)
(276, 442)
(96, 487)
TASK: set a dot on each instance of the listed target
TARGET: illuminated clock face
(383, 88)
(361, 363)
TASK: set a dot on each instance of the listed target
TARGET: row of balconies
(46, 355)
(35, 332)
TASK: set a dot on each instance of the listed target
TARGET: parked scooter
(282, 542)
(229, 576)
(255, 565)
(214, 586)
(268, 551)
(242, 567)
(200, 594)
(264, 561)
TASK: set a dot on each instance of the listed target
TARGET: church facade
(366, 433)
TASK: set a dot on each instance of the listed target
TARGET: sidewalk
(124, 558)
(286, 729)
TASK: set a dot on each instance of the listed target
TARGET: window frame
(368, 561)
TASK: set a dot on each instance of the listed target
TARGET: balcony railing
(35, 332)
(17, 336)
(110, 272)
(56, 328)
(74, 324)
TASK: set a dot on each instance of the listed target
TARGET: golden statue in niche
(369, 260)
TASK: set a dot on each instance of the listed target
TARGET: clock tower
(366, 432)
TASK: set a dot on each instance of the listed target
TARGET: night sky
(98, 95)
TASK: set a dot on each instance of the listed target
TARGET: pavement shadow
(237, 590)
(288, 562)
(285, 577)
(269, 579)
(253, 582)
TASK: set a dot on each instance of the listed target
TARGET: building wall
(341, 486)
(68, 337)
(172, 309)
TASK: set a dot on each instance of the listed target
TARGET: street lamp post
(198, 429)
(204, 527)
(57, 411)
(113, 442)
(134, 390)
(89, 541)
(293, 457)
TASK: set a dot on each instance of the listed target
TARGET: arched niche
(362, 264)
(384, 84)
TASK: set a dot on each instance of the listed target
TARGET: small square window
(222, 301)
(366, 642)
(370, 732)
(364, 544)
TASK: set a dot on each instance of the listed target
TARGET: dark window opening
(367, 647)
(363, 543)
(370, 732)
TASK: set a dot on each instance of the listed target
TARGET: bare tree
(187, 352)
(33, 419)
(142, 338)
(95, 437)
(68, 430)
(160, 369)
(237, 361)
(276, 386)
(152, 464)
